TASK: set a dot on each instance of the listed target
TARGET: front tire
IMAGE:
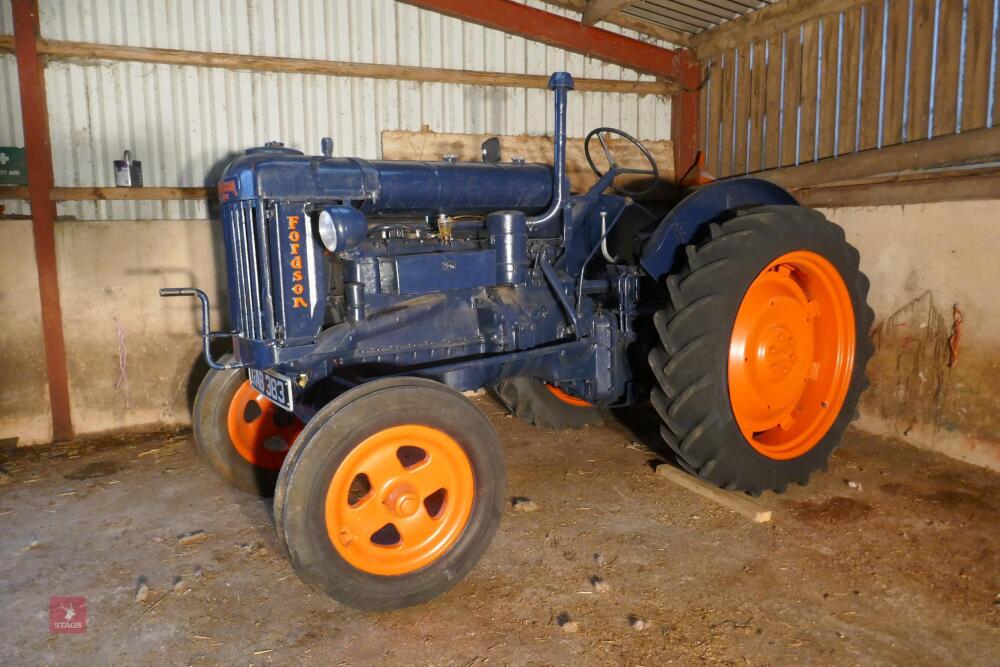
(391, 494)
(240, 433)
(762, 349)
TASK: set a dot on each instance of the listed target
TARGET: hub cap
(399, 500)
(791, 355)
(259, 430)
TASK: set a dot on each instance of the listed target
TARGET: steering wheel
(653, 172)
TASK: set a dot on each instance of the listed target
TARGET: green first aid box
(13, 166)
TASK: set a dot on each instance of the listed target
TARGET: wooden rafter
(548, 28)
(765, 22)
(89, 51)
(623, 20)
(598, 10)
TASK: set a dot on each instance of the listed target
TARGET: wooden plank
(114, 194)
(810, 88)
(714, 128)
(773, 110)
(744, 91)
(921, 56)
(850, 45)
(895, 75)
(975, 92)
(871, 73)
(766, 22)
(728, 112)
(897, 193)
(131, 194)
(793, 92)
(88, 51)
(685, 123)
(427, 145)
(625, 21)
(758, 103)
(829, 103)
(598, 10)
(981, 145)
(704, 108)
(736, 502)
(949, 47)
(38, 147)
(14, 192)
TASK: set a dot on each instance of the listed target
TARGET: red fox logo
(227, 190)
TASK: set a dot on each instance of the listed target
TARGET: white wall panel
(184, 123)
(6, 19)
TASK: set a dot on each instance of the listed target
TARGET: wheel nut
(407, 504)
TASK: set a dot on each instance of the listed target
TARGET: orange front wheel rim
(259, 430)
(791, 355)
(399, 500)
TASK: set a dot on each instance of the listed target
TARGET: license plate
(277, 388)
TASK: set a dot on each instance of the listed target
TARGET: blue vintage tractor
(365, 296)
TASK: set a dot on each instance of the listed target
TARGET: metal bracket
(206, 328)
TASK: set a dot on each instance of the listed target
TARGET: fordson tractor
(366, 296)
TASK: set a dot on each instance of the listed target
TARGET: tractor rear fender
(706, 204)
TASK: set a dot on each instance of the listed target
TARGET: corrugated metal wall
(11, 133)
(184, 123)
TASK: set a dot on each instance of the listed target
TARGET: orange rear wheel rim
(791, 355)
(259, 430)
(568, 399)
(400, 500)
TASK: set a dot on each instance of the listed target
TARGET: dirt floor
(901, 566)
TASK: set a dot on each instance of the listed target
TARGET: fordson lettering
(294, 243)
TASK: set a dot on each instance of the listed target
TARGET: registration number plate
(277, 388)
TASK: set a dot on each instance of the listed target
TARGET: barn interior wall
(134, 358)
(936, 295)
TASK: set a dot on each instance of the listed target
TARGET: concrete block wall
(134, 358)
(935, 277)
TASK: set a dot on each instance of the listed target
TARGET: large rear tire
(762, 349)
(240, 433)
(383, 503)
(546, 405)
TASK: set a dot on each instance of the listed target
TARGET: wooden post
(684, 113)
(34, 116)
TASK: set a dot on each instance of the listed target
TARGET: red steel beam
(554, 30)
(684, 116)
(35, 117)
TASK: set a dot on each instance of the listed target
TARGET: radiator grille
(249, 265)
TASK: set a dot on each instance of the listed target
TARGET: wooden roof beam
(763, 23)
(598, 10)
(622, 20)
(548, 28)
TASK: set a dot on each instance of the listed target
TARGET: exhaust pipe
(561, 83)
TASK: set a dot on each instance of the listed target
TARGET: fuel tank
(388, 187)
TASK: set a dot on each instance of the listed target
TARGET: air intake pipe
(561, 83)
